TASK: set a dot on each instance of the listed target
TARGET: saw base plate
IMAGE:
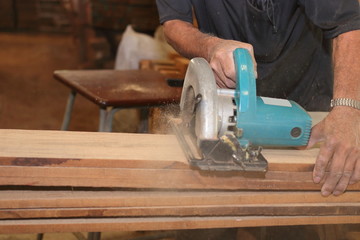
(222, 154)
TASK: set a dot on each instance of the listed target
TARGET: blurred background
(38, 37)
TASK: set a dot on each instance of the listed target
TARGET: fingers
(343, 164)
(316, 135)
(222, 80)
(325, 154)
(338, 161)
(340, 171)
(322, 161)
(346, 174)
(228, 69)
(356, 174)
(222, 61)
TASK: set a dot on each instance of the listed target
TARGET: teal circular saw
(225, 129)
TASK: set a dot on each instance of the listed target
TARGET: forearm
(188, 40)
(339, 155)
(346, 59)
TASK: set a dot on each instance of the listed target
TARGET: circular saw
(225, 129)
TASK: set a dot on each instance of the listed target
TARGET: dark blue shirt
(290, 39)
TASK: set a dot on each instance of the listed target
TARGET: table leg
(68, 110)
(40, 236)
(106, 118)
(94, 235)
(144, 120)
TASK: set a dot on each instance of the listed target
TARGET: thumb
(317, 135)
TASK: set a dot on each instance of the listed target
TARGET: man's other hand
(338, 162)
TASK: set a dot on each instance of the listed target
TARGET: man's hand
(222, 61)
(338, 162)
(340, 130)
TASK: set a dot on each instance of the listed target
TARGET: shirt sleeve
(174, 9)
(334, 17)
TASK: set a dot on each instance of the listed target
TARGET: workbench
(112, 90)
(65, 181)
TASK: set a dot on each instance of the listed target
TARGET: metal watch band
(345, 102)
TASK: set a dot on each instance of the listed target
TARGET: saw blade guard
(198, 103)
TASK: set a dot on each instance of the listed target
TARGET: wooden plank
(156, 178)
(90, 159)
(26, 147)
(153, 178)
(54, 158)
(70, 204)
(279, 160)
(68, 145)
(16, 199)
(65, 146)
(186, 211)
(29, 147)
(164, 223)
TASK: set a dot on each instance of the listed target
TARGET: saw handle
(245, 92)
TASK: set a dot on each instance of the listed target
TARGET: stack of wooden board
(73, 211)
(56, 181)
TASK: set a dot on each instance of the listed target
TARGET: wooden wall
(7, 15)
(117, 14)
(59, 15)
(33, 15)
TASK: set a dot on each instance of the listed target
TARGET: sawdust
(159, 118)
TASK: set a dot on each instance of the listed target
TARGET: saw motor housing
(264, 121)
(228, 127)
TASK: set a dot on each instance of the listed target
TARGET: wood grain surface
(70, 204)
(164, 223)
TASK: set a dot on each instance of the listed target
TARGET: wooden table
(112, 90)
(127, 182)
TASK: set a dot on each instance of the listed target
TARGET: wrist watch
(345, 102)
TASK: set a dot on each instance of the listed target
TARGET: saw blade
(198, 102)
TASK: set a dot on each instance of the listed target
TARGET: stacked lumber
(73, 211)
(56, 181)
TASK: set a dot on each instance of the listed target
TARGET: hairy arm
(340, 130)
(190, 42)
